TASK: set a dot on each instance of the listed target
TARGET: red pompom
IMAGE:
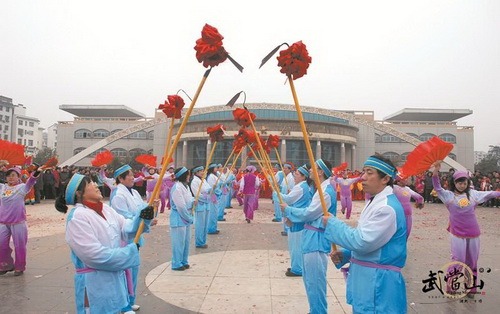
(102, 159)
(294, 61)
(209, 49)
(216, 133)
(424, 155)
(172, 106)
(52, 162)
(242, 116)
(148, 160)
(273, 141)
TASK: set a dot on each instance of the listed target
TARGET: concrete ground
(243, 268)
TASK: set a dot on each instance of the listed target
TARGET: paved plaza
(243, 269)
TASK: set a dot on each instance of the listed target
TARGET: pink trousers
(19, 234)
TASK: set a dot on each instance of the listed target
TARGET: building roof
(18, 116)
(102, 111)
(420, 114)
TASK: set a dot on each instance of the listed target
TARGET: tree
(44, 155)
(491, 162)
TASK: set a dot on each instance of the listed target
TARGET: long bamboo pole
(309, 153)
(169, 136)
(204, 176)
(172, 149)
(233, 165)
(264, 170)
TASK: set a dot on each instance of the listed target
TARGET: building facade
(336, 136)
(93, 123)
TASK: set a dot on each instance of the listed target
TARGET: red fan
(148, 160)
(52, 162)
(163, 159)
(11, 153)
(424, 155)
(102, 159)
(216, 133)
(28, 161)
(342, 167)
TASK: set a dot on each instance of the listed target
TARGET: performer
(225, 192)
(237, 185)
(285, 187)
(345, 192)
(213, 204)
(151, 177)
(300, 196)
(127, 201)
(111, 183)
(181, 219)
(314, 245)
(229, 181)
(30, 196)
(13, 220)
(249, 183)
(376, 248)
(461, 202)
(95, 233)
(166, 187)
(202, 210)
(404, 195)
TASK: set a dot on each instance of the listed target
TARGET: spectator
(49, 190)
(428, 187)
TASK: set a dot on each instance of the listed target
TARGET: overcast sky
(366, 55)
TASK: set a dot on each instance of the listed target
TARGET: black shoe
(186, 266)
(3, 272)
(225, 213)
(204, 246)
(283, 233)
(230, 207)
(288, 269)
(223, 219)
(275, 220)
(289, 273)
(182, 268)
(248, 220)
(216, 232)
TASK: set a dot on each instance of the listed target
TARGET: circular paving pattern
(245, 281)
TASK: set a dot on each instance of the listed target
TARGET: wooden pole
(172, 149)
(309, 153)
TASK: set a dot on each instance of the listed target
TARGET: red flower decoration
(172, 106)
(102, 159)
(294, 61)
(52, 162)
(266, 148)
(216, 133)
(209, 49)
(273, 141)
(242, 116)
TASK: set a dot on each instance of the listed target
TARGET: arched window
(392, 156)
(404, 156)
(389, 138)
(447, 137)
(101, 133)
(426, 136)
(78, 150)
(413, 135)
(117, 130)
(452, 156)
(139, 135)
(83, 133)
(377, 138)
(151, 135)
(136, 152)
(119, 152)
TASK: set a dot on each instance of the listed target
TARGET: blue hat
(287, 165)
(198, 169)
(323, 167)
(378, 164)
(219, 165)
(212, 166)
(180, 172)
(73, 185)
(304, 171)
(121, 170)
